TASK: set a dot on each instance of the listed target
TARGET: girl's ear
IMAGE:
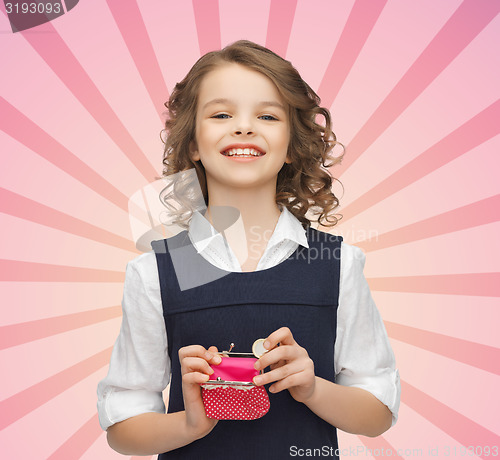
(193, 151)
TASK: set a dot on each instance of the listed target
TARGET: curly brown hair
(302, 185)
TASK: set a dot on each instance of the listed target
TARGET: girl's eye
(269, 117)
(222, 116)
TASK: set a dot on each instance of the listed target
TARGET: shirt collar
(203, 234)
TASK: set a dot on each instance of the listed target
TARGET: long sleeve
(363, 354)
(139, 368)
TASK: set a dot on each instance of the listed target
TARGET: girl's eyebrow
(260, 104)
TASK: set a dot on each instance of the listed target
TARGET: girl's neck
(255, 219)
(254, 207)
(245, 216)
(247, 230)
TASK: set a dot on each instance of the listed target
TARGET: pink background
(413, 87)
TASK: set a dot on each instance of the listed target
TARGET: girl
(246, 121)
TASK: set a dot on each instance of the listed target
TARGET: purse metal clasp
(234, 353)
(219, 381)
(228, 354)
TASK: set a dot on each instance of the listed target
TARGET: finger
(200, 352)
(291, 381)
(216, 359)
(192, 350)
(283, 353)
(195, 377)
(278, 364)
(194, 364)
(282, 335)
(279, 373)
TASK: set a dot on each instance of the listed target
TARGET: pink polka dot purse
(230, 394)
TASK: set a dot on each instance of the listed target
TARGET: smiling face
(240, 112)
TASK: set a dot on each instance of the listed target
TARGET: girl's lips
(243, 159)
(241, 147)
(243, 152)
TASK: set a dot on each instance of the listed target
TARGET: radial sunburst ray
(413, 90)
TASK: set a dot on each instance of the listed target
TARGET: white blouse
(139, 368)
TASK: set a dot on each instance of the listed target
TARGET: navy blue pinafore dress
(207, 306)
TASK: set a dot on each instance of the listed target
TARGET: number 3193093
(40, 8)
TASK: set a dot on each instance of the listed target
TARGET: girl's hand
(291, 367)
(195, 369)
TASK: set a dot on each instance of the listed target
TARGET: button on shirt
(139, 368)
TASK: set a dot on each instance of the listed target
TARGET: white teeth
(243, 152)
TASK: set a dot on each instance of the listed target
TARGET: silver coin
(258, 348)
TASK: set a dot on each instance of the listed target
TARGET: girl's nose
(243, 131)
(243, 127)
